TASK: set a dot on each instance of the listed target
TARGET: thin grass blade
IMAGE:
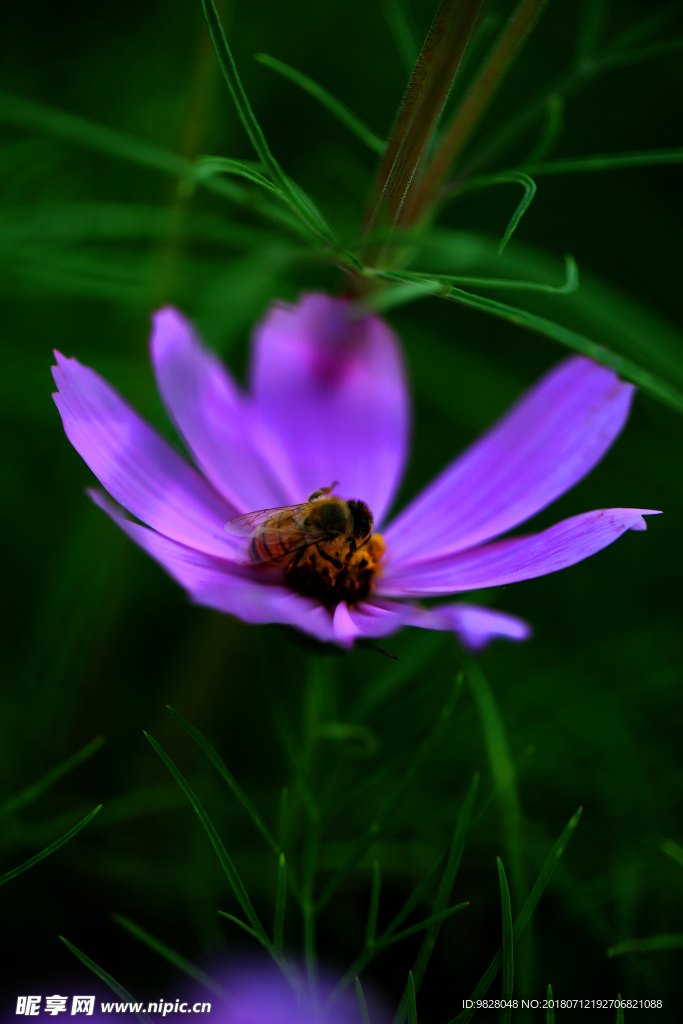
(177, 959)
(504, 178)
(242, 924)
(9, 875)
(605, 162)
(280, 903)
(371, 926)
(362, 1005)
(523, 917)
(571, 281)
(550, 1009)
(30, 793)
(648, 382)
(411, 998)
(403, 31)
(508, 959)
(330, 102)
(222, 854)
(253, 128)
(429, 922)
(620, 1010)
(208, 166)
(646, 945)
(362, 844)
(218, 763)
(100, 973)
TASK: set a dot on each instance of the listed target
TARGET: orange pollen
(315, 576)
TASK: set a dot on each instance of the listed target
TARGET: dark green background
(98, 640)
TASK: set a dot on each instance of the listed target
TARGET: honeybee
(279, 533)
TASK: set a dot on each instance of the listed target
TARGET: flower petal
(547, 442)
(331, 383)
(520, 558)
(220, 584)
(475, 626)
(242, 458)
(139, 469)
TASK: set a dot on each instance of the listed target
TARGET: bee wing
(296, 537)
(249, 522)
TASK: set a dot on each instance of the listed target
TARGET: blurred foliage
(98, 640)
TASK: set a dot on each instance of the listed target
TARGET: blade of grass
(280, 903)
(242, 924)
(218, 763)
(222, 854)
(504, 178)
(40, 117)
(403, 31)
(552, 129)
(523, 917)
(649, 382)
(179, 961)
(605, 162)
(508, 960)
(208, 166)
(34, 790)
(550, 1010)
(476, 101)
(362, 844)
(100, 973)
(421, 108)
(571, 281)
(411, 999)
(646, 945)
(433, 921)
(620, 1010)
(673, 849)
(9, 875)
(371, 926)
(335, 106)
(301, 204)
(589, 30)
(362, 1005)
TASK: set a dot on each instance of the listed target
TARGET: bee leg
(364, 542)
(328, 558)
(295, 561)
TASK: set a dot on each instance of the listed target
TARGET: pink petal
(331, 384)
(475, 626)
(507, 561)
(138, 468)
(240, 456)
(547, 442)
(220, 584)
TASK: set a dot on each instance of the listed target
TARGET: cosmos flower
(328, 401)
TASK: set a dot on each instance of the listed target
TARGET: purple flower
(328, 402)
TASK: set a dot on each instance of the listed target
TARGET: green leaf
(219, 764)
(649, 382)
(222, 854)
(103, 976)
(508, 961)
(523, 917)
(280, 903)
(30, 793)
(296, 197)
(550, 1011)
(433, 921)
(335, 106)
(605, 162)
(242, 924)
(552, 129)
(179, 961)
(362, 1005)
(646, 945)
(9, 875)
(503, 178)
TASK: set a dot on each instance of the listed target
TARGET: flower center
(337, 570)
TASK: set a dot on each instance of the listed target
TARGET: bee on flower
(328, 401)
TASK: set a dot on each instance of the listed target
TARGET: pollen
(336, 570)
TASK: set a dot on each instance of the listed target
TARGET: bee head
(361, 518)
